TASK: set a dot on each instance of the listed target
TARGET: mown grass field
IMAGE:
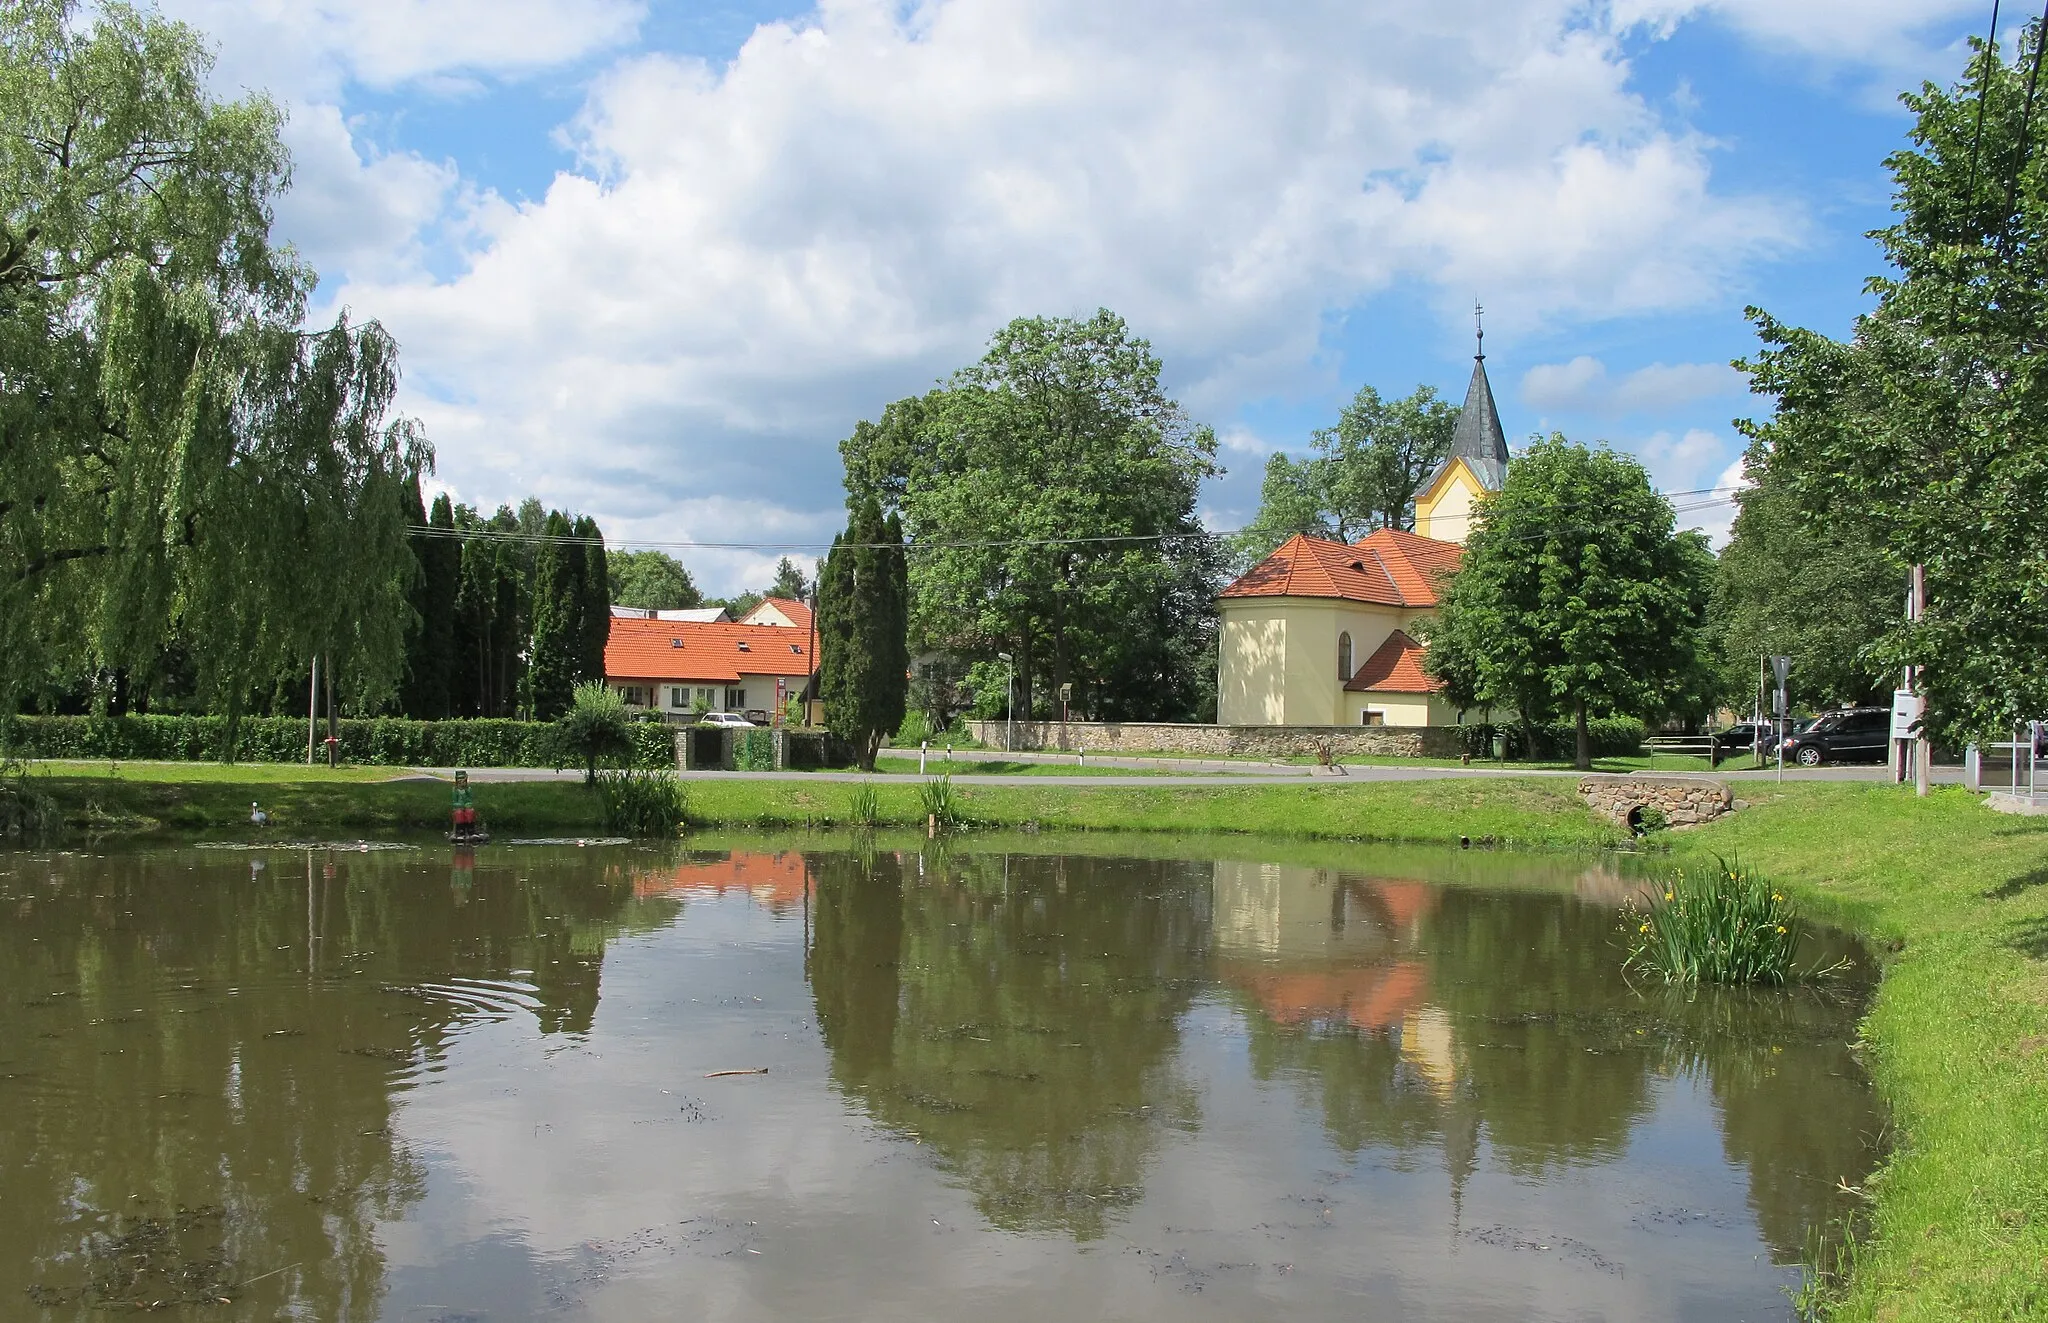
(1957, 1038)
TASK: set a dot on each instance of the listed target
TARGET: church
(1322, 633)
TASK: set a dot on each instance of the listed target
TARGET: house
(699, 614)
(679, 667)
(1324, 633)
(786, 612)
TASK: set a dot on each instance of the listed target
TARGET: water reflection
(1022, 1026)
(362, 1086)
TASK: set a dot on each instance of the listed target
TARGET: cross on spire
(1479, 328)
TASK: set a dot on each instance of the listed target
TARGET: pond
(1062, 1080)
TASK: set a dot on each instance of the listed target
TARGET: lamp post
(1009, 703)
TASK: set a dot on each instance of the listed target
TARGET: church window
(1344, 657)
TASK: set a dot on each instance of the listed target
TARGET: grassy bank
(167, 800)
(1957, 1038)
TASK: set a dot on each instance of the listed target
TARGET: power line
(544, 539)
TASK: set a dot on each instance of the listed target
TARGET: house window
(1372, 718)
(678, 696)
(1344, 657)
(704, 696)
(735, 700)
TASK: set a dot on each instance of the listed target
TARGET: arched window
(1344, 657)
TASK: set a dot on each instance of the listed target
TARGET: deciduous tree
(1575, 596)
(1926, 433)
(651, 580)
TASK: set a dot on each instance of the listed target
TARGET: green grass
(254, 774)
(1957, 1038)
(1007, 767)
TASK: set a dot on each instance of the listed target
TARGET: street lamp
(1009, 703)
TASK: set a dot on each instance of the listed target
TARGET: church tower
(1478, 462)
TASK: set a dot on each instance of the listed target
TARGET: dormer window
(745, 646)
(675, 643)
(797, 649)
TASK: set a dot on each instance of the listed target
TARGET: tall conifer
(557, 621)
(862, 613)
(594, 596)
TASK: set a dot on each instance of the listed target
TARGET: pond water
(426, 1085)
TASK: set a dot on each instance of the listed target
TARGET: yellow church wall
(1399, 710)
(1278, 664)
(1445, 510)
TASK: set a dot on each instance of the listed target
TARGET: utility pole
(1923, 750)
(312, 712)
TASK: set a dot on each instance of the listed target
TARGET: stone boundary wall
(1686, 801)
(1227, 741)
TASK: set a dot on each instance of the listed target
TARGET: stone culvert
(1685, 801)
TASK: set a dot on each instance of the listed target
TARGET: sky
(652, 261)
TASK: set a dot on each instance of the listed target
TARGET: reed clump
(642, 803)
(865, 809)
(1723, 924)
(941, 805)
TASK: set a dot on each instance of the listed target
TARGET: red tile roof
(703, 652)
(1385, 568)
(799, 613)
(1396, 668)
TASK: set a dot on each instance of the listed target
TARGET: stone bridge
(1685, 801)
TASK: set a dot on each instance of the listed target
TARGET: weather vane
(1479, 326)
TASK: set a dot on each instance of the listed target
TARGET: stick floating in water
(752, 1070)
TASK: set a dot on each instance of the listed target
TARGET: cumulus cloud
(747, 258)
(1583, 386)
(1890, 34)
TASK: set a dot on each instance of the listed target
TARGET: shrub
(595, 728)
(375, 741)
(753, 750)
(1611, 737)
(1719, 925)
(915, 730)
(642, 803)
(26, 813)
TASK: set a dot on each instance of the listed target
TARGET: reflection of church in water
(1315, 948)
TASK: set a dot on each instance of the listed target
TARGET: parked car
(1852, 735)
(1767, 740)
(730, 719)
(1740, 737)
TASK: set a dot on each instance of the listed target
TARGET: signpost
(1781, 668)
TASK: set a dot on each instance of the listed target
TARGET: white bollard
(922, 749)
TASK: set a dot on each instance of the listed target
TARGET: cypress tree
(557, 621)
(429, 692)
(595, 600)
(862, 612)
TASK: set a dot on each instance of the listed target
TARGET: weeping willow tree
(179, 456)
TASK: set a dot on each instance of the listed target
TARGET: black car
(1852, 735)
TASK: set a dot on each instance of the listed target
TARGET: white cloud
(309, 48)
(1583, 386)
(1715, 515)
(346, 213)
(749, 258)
(1890, 34)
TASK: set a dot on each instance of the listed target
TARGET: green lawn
(1957, 1038)
(937, 766)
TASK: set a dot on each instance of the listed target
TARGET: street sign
(1906, 710)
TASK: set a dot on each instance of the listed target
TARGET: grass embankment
(1957, 1038)
(311, 803)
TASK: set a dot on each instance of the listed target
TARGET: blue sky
(652, 260)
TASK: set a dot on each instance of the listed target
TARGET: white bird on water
(257, 816)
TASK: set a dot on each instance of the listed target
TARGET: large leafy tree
(864, 661)
(651, 580)
(178, 458)
(1575, 595)
(1823, 601)
(1046, 489)
(1926, 433)
(1364, 472)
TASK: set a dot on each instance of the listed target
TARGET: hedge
(376, 741)
(1557, 741)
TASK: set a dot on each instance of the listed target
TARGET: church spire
(1479, 440)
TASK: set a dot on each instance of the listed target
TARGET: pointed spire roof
(1478, 439)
